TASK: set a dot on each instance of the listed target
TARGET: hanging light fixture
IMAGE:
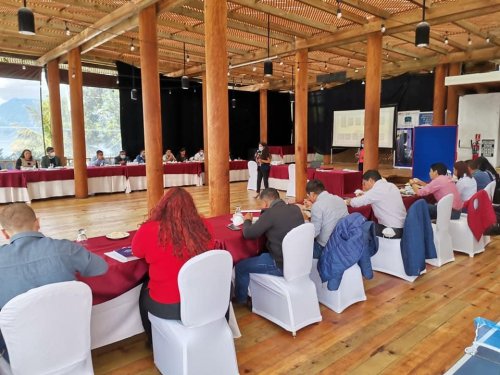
(423, 31)
(66, 29)
(488, 38)
(26, 21)
(133, 92)
(233, 100)
(132, 47)
(382, 28)
(185, 79)
(268, 64)
(446, 41)
(469, 40)
(339, 11)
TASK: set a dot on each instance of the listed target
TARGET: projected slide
(348, 127)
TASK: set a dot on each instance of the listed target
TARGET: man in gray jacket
(276, 220)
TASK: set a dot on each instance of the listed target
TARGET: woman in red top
(361, 154)
(172, 235)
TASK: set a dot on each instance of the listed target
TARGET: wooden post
(56, 126)
(300, 125)
(372, 99)
(217, 105)
(263, 115)
(205, 129)
(452, 101)
(151, 104)
(439, 95)
(77, 123)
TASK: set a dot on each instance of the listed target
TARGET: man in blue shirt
(482, 178)
(32, 260)
(98, 160)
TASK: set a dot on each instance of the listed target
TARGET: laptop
(315, 164)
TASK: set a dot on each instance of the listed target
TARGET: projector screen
(349, 127)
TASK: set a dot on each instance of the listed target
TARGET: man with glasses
(386, 202)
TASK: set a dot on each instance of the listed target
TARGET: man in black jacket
(275, 221)
(50, 160)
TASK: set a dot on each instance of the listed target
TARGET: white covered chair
(116, 319)
(47, 330)
(290, 301)
(252, 175)
(201, 342)
(350, 291)
(388, 259)
(490, 189)
(290, 191)
(441, 230)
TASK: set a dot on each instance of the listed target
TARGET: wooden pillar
(372, 99)
(263, 115)
(56, 126)
(205, 135)
(452, 97)
(151, 105)
(77, 123)
(217, 105)
(439, 95)
(300, 125)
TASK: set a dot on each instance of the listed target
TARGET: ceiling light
(469, 41)
(281, 62)
(382, 29)
(268, 68)
(26, 20)
(24, 67)
(233, 103)
(133, 94)
(446, 41)
(132, 47)
(67, 30)
(488, 39)
(268, 64)
(187, 58)
(423, 31)
(363, 82)
(185, 82)
(254, 69)
(339, 11)
(322, 87)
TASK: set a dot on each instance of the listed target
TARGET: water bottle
(81, 236)
(238, 211)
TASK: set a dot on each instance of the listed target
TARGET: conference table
(286, 153)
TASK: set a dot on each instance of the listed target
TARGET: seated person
(50, 160)
(386, 202)
(169, 157)
(26, 160)
(31, 260)
(98, 160)
(326, 210)
(167, 243)
(141, 158)
(466, 185)
(199, 156)
(485, 165)
(122, 158)
(482, 178)
(440, 186)
(276, 220)
(182, 155)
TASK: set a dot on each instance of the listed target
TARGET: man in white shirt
(326, 210)
(385, 199)
(199, 156)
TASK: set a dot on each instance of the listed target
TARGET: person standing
(263, 160)
(50, 160)
(361, 154)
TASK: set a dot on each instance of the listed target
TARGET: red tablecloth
(281, 172)
(282, 150)
(12, 179)
(49, 175)
(339, 182)
(121, 277)
(118, 170)
(238, 164)
(183, 168)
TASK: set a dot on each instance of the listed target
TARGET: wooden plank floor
(402, 328)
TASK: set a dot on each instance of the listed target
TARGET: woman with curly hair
(173, 233)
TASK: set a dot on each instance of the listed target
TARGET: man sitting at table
(326, 210)
(276, 220)
(122, 158)
(50, 160)
(199, 156)
(141, 158)
(98, 160)
(483, 178)
(386, 202)
(32, 260)
(182, 155)
(440, 186)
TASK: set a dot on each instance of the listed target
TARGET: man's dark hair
(440, 168)
(99, 152)
(49, 149)
(270, 194)
(372, 174)
(315, 186)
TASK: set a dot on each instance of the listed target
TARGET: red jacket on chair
(480, 215)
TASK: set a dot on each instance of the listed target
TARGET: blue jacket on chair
(353, 241)
(417, 242)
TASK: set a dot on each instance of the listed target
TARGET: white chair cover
(290, 191)
(290, 301)
(252, 175)
(490, 189)
(202, 342)
(441, 230)
(388, 259)
(350, 291)
(116, 319)
(47, 330)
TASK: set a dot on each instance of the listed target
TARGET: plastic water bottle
(238, 211)
(81, 236)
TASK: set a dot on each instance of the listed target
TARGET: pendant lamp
(422, 33)
(26, 20)
(268, 64)
(185, 78)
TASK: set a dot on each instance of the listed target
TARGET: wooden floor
(402, 328)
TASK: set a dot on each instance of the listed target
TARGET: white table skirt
(169, 180)
(108, 184)
(238, 175)
(11, 194)
(49, 189)
(287, 159)
(278, 183)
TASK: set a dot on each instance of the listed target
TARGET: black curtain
(407, 92)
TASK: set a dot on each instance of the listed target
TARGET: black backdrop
(182, 112)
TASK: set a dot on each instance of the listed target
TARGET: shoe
(257, 196)
(249, 303)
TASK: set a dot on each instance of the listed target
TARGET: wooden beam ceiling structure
(107, 31)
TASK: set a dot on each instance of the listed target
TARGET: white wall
(478, 113)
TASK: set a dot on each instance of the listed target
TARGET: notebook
(122, 255)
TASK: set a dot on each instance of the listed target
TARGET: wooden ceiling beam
(128, 24)
(328, 8)
(410, 38)
(102, 25)
(368, 8)
(400, 51)
(438, 39)
(473, 29)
